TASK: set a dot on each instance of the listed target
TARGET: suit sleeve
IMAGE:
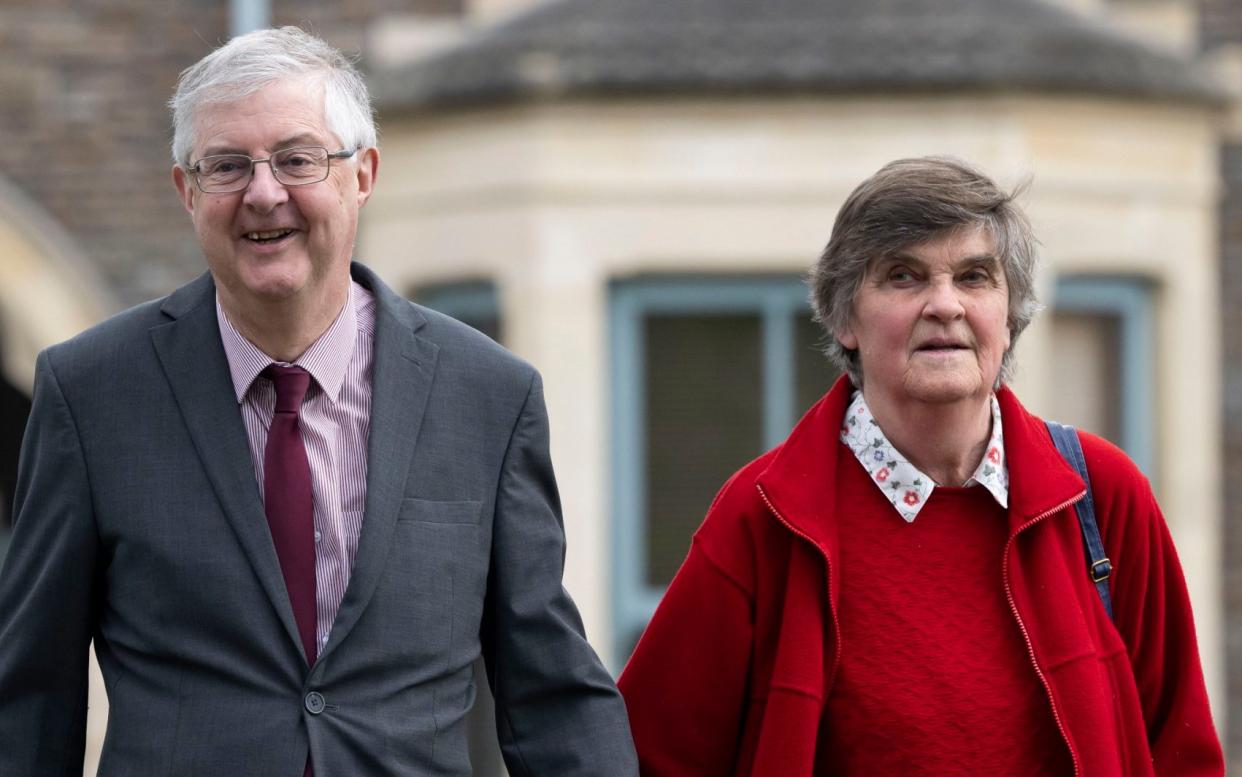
(1153, 614)
(557, 709)
(686, 684)
(46, 595)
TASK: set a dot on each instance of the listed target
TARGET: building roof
(611, 47)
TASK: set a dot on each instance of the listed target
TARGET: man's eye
(297, 160)
(223, 167)
(976, 276)
(900, 276)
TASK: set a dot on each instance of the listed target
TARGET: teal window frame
(1131, 300)
(466, 301)
(776, 301)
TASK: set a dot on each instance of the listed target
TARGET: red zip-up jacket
(732, 673)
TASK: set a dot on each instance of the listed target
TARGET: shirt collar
(326, 360)
(902, 483)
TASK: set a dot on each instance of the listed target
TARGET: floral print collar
(903, 484)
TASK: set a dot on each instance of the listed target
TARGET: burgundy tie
(288, 502)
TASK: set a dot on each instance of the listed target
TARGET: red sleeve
(685, 686)
(1152, 612)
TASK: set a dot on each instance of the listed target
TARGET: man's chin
(266, 288)
(275, 277)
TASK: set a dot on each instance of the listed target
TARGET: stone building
(626, 192)
(632, 189)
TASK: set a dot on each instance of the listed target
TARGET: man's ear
(368, 171)
(185, 188)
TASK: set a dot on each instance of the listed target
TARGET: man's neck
(284, 329)
(944, 441)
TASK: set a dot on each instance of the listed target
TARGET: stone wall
(1231, 311)
(82, 91)
(83, 86)
(1220, 22)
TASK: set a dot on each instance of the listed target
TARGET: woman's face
(930, 322)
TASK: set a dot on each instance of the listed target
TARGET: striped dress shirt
(335, 422)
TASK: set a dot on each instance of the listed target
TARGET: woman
(900, 587)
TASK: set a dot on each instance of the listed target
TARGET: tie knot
(291, 385)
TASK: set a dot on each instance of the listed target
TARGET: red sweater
(911, 695)
(732, 675)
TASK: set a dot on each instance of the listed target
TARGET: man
(290, 507)
(900, 588)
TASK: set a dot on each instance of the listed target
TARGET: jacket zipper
(836, 626)
(1030, 648)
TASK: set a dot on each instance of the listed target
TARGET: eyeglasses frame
(194, 171)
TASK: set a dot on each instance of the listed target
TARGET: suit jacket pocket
(429, 511)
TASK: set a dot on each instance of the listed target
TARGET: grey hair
(252, 61)
(911, 201)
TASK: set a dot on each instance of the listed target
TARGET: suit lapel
(193, 360)
(402, 373)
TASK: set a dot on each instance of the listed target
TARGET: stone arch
(48, 292)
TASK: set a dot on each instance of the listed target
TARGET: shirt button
(318, 535)
(314, 702)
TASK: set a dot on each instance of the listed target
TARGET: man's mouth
(268, 236)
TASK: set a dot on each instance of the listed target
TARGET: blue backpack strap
(1066, 440)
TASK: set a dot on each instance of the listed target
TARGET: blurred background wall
(627, 192)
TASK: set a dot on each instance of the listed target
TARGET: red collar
(799, 482)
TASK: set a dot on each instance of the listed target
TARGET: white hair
(252, 61)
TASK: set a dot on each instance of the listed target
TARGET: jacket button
(314, 702)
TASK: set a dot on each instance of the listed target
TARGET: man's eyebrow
(301, 139)
(211, 150)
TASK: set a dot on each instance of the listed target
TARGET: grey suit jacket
(139, 524)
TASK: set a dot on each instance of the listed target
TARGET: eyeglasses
(299, 166)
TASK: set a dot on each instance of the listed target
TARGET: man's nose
(944, 300)
(264, 192)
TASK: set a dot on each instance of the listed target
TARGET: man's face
(271, 243)
(931, 322)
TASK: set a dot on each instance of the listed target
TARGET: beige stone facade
(554, 202)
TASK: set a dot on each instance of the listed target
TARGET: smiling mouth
(268, 236)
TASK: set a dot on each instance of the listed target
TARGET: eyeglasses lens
(300, 165)
(291, 166)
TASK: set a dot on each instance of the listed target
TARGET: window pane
(813, 372)
(474, 303)
(1088, 391)
(488, 325)
(704, 394)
